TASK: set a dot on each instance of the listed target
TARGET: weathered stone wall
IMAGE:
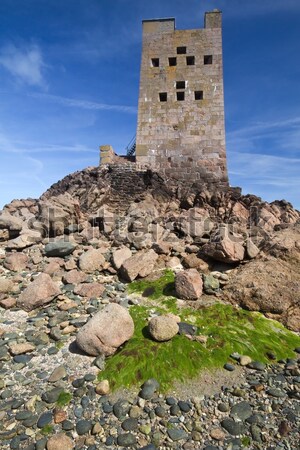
(183, 139)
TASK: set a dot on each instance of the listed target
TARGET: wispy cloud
(24, 63)
(84, 104)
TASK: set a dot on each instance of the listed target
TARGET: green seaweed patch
(64, 399)
(162, 287)
(228, 329)
(47, 429)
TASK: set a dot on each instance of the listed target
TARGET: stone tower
(180, 129)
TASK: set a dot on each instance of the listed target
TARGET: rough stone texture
(120, 256)
(141, 264)
(8, 303)
(163, 328)
(11, 223)
(185, 139)
(226, 250)
(16, 262)
(6, 285)
(106, 331)
(60, 442)
(91, 260)
(20, 349)
(59, 248)
(89, 290)
(188, 284)
(74, 277)
(40, 292)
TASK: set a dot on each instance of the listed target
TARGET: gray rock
(257, 365)
(242, 410)
(149, 388)
(45, 419)
(130, 424)
(59, 249)
(121, 408)
(233, 428)
(176, 434)
(83, 426)
(126, 440)
(229, 367)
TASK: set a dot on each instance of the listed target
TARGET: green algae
(228, 329)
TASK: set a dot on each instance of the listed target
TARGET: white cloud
(25, 64)
(84, 104)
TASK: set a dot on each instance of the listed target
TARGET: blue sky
(69, 75)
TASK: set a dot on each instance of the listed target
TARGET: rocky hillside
(139, 219)
(118, 279)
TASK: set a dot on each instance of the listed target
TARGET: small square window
(163, 96)
(180, 96)
(180, 84)
(198, 95)
(190, 60)
(208, 59)
(155, 62)
(181, 50)
(172, 61)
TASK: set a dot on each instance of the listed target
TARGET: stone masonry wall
(182, 138)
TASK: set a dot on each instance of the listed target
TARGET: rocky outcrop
(106, 331)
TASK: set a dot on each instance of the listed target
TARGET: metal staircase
(130, 149)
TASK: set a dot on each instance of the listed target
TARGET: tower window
(190, 60)
(198, 95)
(180, 96)
(208, 59)
(155, 62)
(180, 84)
(163, 96)
(181, 50)
(172, 61)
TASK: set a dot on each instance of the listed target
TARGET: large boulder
(120, 255)
(163, 328)
(59, 248)
(16, 262)
(227, 249)
(141, 264)
(106, 331)
(6, 285)
(188, 284)
(10, 226)
(40, 292)
(58, 213)
(92, 260)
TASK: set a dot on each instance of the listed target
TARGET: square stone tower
(180, 129)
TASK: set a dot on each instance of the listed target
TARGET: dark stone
(184, 406)
(148, 447)
(23, 359)
(233, 428)
(107, 408)
(83, 426)
(175, 410)
(41, 444)
(109, 441)
(176, 434)
(52, 396)
(274, 392)
(126, 440)
(229, 367)
(187, 329)
(160, 411)
(130, 424)
(121, 408)
(22, 415)
(171, 401)
(45, 419)
(223, 407)
(67, 425)
(149, 388)
(59, 249)
(257, 365)
(243, 410)
(148, 291)
(30, 422)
